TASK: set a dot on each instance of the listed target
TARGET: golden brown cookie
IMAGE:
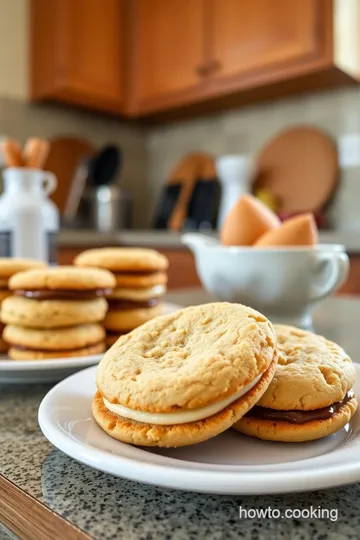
(54, 339)
(52, 313)
(184, 377)
(63, 278)
(3, 345)
(138, 295)
(174, 435)
(18, 354)
(4, 293)
(287, 432)
(112, 337)
(11, 266)
(123, 259)
(310, 395)
(140, 281)
(128, 319)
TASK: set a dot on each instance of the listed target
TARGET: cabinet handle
(202, 70)
(208, 68)
(213, 65)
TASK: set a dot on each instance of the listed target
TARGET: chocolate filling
(37, 349)
(118, 303)
(62, 294)
(117, 333)
(299, 417)
(138, 273)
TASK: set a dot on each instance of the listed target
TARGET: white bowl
(283, 283)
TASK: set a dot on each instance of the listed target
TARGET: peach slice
(297, 231)
(247, 221)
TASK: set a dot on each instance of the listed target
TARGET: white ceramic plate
(54, 370)
(43, 371)
(230, 463)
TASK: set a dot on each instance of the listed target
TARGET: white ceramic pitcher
(28, 218)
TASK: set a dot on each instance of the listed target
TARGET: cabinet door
(254, 35)
(86, 38)
(168, 47)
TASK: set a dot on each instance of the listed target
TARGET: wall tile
(246, 130)
(21, 120)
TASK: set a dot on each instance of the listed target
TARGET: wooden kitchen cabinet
(257, 35)
(157, 58)
(77, 52)
(167, 54)
(252, 51)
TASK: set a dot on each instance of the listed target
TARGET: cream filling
(145, 293)
(178, 417)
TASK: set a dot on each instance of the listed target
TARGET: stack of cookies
(56, 312)
(9, 267)
(140, 285)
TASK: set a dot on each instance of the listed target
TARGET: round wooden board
(300, 168)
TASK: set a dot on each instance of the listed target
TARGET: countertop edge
(73, 238)
(15, 507)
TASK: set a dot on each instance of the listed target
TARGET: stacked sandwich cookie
(56, 312)
(183, 378)
(9, 267)
(310, 395)
(140, 285)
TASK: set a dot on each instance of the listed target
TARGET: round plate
(43, 371)
(228, 464)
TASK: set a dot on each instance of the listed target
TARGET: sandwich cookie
(140, 285)
(31, 343)
(185, 377)
(310, 395)
(52, 313)
(9, 267)
(56, 298)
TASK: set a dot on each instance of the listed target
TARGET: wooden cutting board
(63, 159)
(299, 167)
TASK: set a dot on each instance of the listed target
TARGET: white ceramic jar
(234, 172)
(29, 220)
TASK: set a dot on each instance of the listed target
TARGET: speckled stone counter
(105, 507)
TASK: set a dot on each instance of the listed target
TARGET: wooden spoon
(35, 153)
(12, 153)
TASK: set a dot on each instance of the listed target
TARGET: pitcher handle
(338, 268)
(50, 182)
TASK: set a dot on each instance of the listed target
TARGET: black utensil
(204, 204)
(105, 165)
(168, 199)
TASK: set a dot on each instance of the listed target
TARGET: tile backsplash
(151, 152)
(246, 130)
(20, 120)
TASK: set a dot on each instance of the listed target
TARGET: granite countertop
(110, 508)
(171, 240)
